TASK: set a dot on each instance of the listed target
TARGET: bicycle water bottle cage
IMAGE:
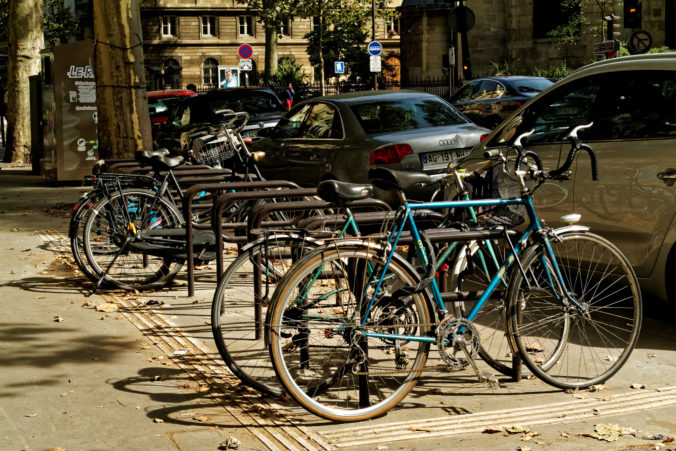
(340, 192)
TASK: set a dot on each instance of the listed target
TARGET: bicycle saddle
(158, 160)
(337, 192)
(388, 179)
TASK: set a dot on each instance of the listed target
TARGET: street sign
(375, 63)
(245, 64)
(461, 19)
(245, 51)
(640, 41)
(607, 46)
(339, 67)
(375, 48)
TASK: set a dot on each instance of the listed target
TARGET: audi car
(342, 136)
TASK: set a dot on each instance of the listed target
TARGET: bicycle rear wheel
(240, 305)
(318, 323)
(78, 220)
(107, 229)
(598, 338)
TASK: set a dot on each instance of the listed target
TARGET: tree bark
(270, 53)
(121, 99)
(322, 86)
(26, 40)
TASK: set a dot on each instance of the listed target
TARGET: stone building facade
(512, 32)
(196, 42)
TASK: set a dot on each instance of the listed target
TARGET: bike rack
(217, 208)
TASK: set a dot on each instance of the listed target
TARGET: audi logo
(448, 142)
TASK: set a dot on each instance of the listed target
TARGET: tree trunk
(121, 100)
(270, 53)
(26, 39)
(322, 87)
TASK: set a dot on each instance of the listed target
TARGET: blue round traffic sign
(375, 48)
(245, 51)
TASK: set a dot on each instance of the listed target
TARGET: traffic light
(612, 27)
(633, 14)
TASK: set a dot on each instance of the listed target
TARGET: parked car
(343, 136)
(631, 102)
(160, 103)
(264, 108)
(489, 100)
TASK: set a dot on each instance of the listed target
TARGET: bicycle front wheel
(108, 228)
(240, 305)
(565, 344)
(320, 319)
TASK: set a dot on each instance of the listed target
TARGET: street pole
(373, 38)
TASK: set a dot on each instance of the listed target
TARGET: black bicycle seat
(335, 191)
(158, 160)
(389, 179)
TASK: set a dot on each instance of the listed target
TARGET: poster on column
(75, 115)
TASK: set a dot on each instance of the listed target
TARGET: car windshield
(533, 85)
(251, 102)
(398, 115)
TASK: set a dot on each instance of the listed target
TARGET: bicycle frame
(408, 218)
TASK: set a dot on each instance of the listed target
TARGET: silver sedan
(343, 136)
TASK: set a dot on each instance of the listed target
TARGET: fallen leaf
(32, 415)
(651, 356)
(610, 432)
(596, 388)
(14, 229)
(57, 449)
(158, 420)
(491, 430)
(58, 319)
(638, 386)
(107, 307)
(203, 388)
(419, 428)
(565, 435)
(229, 443)
(87, 304)
(39, 297)
(523, 448)
(201, 419)
(101, 318)
(580, 395)
(516, 430)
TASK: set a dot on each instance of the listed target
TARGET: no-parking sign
(245, 51)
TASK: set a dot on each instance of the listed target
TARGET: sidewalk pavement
(148, 376)
(73, 377)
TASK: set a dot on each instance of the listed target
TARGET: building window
(172, 74)
(285, 28)
(210, 72)
(392, 26)
(315, 23)
(208, 26)
(548, 15)
(246, 26)
(169, 26)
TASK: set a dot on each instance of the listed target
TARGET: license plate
(436, 160)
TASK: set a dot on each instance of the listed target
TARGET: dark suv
(264, 108)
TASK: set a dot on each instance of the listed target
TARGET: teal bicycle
(351, 324)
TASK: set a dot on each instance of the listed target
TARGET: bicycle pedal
(490, 379)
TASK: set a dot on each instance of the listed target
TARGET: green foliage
(518, 67)
(61, 23)
(289, 71)
(342, 42)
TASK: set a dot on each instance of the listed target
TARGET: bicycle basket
(210, 151)
(494, 183)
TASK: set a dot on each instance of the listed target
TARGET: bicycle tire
(238, 310)
(473, 271)
(78, 220)
(598, 340)
(106, 230)
(317, 349)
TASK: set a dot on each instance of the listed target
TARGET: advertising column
(74, 110)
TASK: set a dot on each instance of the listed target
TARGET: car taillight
(518, 103)
(482, 137)
(390, 154)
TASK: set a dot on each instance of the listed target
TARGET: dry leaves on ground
(107, 307)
